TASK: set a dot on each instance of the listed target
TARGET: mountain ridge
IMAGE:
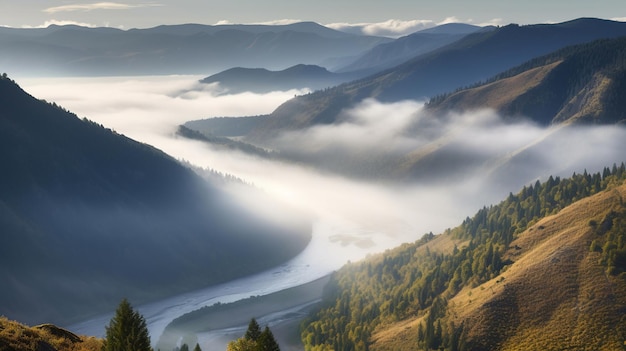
(459, 64)
(578, 84)
(178, 49)
(85, 211)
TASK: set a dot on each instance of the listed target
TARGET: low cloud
(391, 28)
(96, 6)
(279, 22)
(477, 157)
(48, 23)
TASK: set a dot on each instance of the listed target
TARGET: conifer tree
(267, 342)
(197, 348)
(127, 330)
(254, 330)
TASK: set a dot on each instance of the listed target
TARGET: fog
(435, 170)
(478, 157)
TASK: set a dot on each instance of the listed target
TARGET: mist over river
(320, 258)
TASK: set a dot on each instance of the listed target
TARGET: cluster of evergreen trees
(127, 331)
(255, 339)
(413, 281)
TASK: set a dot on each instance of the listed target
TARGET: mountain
(583, 83)
(474, 58)
(261, 80)
(89, 217)
(181, 49)
(391, 54)
(226, 126)
(580, 84)
(544, 269)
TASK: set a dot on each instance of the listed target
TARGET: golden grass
(555, 295)
(499, 93)
(588, 102)
(15, 336)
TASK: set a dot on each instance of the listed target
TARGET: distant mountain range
(576, 84)
(391, 54)
(382, 56)
(260, 80)
(474, 58)
(89, 217)
(178, 49)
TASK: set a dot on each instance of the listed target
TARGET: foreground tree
(127, 331)
(267, 342)
(254, 330)
(254, 340)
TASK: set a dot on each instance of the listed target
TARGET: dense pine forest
(414, 281)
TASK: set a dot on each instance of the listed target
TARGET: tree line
(412, 281)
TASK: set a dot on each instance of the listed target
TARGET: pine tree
(254, 330)
(197, 348)
(127, 330)
(267, 342)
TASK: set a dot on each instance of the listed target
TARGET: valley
(457, 188)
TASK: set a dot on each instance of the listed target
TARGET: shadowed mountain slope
(474, 58)
(583, 83)
(391, 54)
(89, 216)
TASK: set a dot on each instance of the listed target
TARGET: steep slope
(89, 216)
(544, 269)
(582, 83)
(556, 291)
(474, 58)
(391, 54)
(182, 49)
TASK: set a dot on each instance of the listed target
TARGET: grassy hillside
(542, 269)
(583, 83)
(15, 336)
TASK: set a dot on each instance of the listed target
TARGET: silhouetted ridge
(89, 216)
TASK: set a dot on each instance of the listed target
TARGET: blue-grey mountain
(89, 216)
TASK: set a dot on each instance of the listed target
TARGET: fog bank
(472, 159)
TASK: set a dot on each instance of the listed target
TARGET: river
(323, 255)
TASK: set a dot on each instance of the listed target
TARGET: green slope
(472, 286)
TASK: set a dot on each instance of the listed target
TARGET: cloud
(462, 161)
(279, 22)
(96, 6)
(51, 22)
(391, 28)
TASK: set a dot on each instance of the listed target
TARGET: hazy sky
(397, 14)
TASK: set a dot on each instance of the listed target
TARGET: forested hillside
(462, 290)
(89, 216)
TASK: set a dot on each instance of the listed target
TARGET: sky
(391, 17)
